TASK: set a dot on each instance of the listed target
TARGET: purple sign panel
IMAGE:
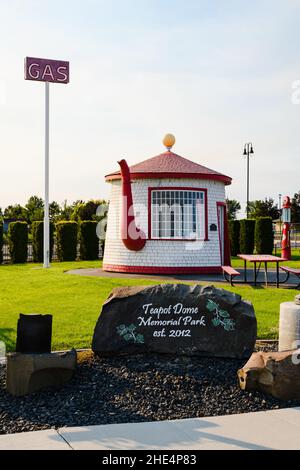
(46, 70)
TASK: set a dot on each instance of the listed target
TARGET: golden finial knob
(169, 141)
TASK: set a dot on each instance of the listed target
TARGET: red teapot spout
(132, 237)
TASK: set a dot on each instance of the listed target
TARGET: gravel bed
(133, 389)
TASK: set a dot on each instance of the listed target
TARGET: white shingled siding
(162, 252)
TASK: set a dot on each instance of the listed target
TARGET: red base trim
(162, 269)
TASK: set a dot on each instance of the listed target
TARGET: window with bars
(178, 214)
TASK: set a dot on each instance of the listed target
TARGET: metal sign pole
(54, 71)
(46, 208)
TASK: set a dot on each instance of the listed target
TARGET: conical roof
(170, 165)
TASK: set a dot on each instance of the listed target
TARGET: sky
(215, 73)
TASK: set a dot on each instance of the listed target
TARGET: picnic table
(258, 260)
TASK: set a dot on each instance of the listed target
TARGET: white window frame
(191, 224)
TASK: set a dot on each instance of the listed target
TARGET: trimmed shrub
(1, 242)
(234, 235)
(18, 241)
(89, 242)
(247, 227)
(66, 240)
(264, 235)
(37, 229)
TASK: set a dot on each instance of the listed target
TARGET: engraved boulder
(175, 319)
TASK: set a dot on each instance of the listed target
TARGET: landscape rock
(28, 373)
(119, 389)
(175, 319)
(273, 373)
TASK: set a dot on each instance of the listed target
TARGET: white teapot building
(167, 215)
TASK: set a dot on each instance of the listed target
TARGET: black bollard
(34, 333)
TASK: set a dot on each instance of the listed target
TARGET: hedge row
(247, 234)
(1, 242)
(18, 241)
(89, 241)
(234, 235)
(67, 235)
(244, 235)
(264, 235)
(66, 240)
(247, 227)
(38, 241)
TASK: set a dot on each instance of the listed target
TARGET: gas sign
(47, 70)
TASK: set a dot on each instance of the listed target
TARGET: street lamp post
(248, 150)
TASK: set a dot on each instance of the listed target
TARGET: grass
(75, 301)
(294, 263)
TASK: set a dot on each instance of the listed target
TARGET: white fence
(295, 236)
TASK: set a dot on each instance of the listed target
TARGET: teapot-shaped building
(167, 215)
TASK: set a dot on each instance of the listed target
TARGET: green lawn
(75, 301)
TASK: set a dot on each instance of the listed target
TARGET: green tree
(66, 210)
(264, 235)
(17, 241)
(16, 211)
(34, 209)
(234, 235)
(66, 239)
(38, 240)
(89, 242)
(247, 227)
(87, 210)
(295, 203)
(233, 207)
(266, 208)
(54, 211)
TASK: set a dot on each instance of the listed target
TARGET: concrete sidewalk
(278, 429)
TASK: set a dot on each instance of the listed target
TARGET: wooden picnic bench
(289, 271)
(229, 273)
(258, 260)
